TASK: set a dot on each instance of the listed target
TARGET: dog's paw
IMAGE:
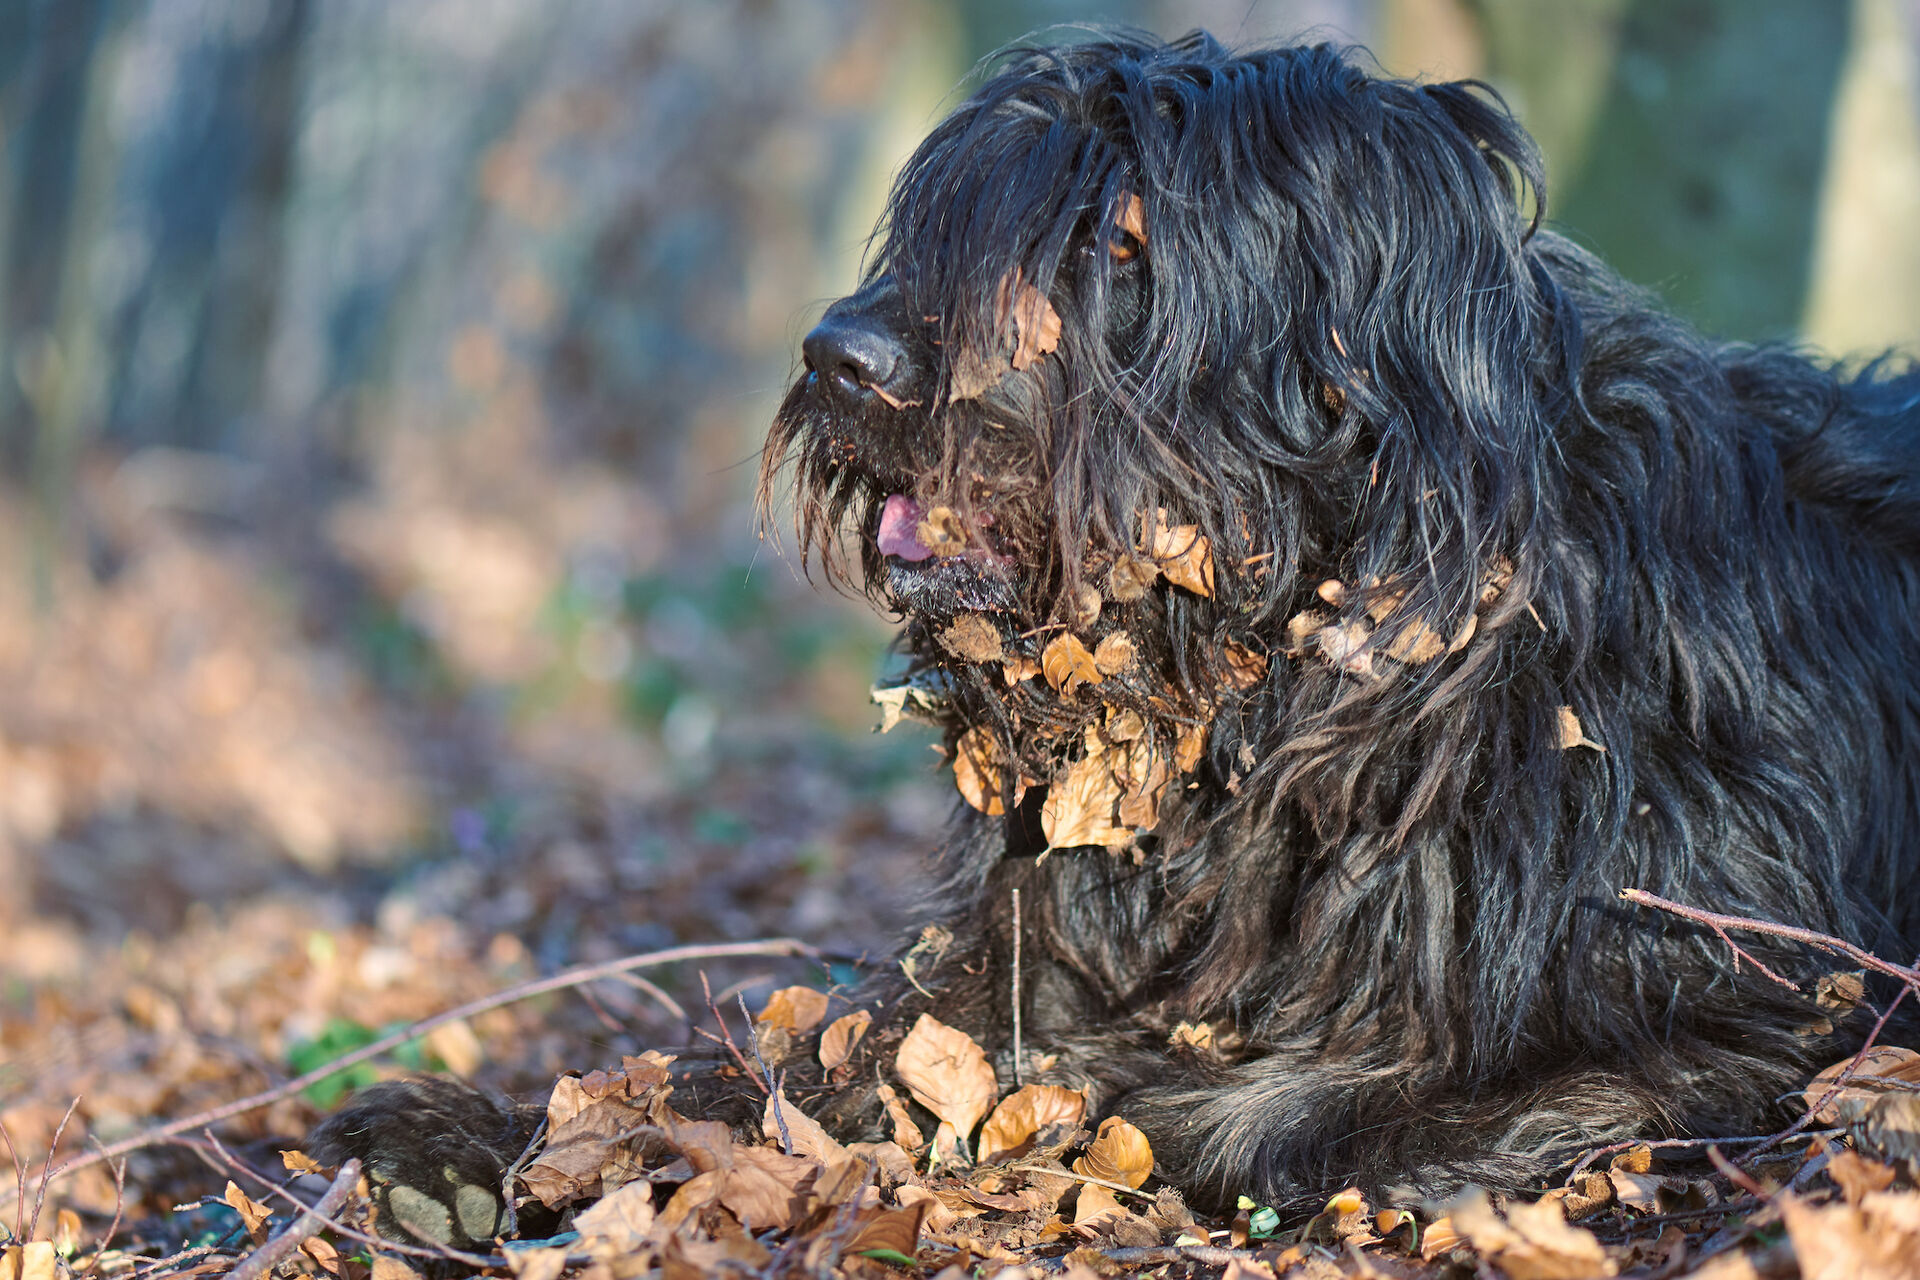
(435, 1154)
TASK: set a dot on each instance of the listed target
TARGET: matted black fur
(1313, 314)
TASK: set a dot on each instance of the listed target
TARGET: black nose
(853, 356)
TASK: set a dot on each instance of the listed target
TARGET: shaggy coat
(1523, 593)
(1427, 586)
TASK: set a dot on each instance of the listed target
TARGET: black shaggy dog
(1334, 589)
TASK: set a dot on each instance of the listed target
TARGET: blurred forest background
(382, 617)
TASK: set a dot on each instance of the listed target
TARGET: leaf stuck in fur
(972, 638)
(941, 532)
(1067, 663)
(1183, 553)
(977, 771)
(1571, 734)
(1131, 578)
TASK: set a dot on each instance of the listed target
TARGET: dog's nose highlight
(852, 358)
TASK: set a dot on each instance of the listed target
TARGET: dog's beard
(1045, 685)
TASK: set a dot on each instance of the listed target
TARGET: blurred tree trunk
(49, 65)
(1697, 168)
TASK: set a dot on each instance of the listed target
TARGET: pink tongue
(898, 520)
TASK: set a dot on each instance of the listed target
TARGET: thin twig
(46, 1171)
(512, 1227)
(773, 1096)
(1120, 1187)
(1737, 1176)
(1672, 1144)
(20, 1184)
(512, 995)
(1826, 942)
(119, 1207)
(731, 1047)
(1017, 1055)
(1839, 1081)
(655, 993)
(303, 1228)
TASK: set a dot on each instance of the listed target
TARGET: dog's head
(1155, 342)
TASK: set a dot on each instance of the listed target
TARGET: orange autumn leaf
(1119, 1153)
(842, 1037)
(976, 771)
(1183, 553)
(947, 1073)
(1067, 663)
(1025, 1112)
(795, 1009)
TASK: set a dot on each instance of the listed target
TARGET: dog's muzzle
(858, 352)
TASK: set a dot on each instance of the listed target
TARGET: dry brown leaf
(1345, 646)
(1571, 734)
(251, 1211)
(1440, 1236)
(1067, 663)
(324, 1255)
(35, 1260)
(809, 1137)
(1851, 1103)
(940, 531)
(906, 1134)
(1891, 1128)
(619, 1223)
(1416, 643)
(1131, 577)
(1877, 1239)
(1183, 553)
(976, 771)
(947, 1073)
(1245, 668)
(1302, 629)
(972, 638)
(895, 1230)
(1130, 217)
(1036, 324)
(457, 1047)
(1086, 607)
(1019, 667)
(1857, 1176)
(1122, 725)
(1143, 775)
(1095, 1200)
(1533, 1241)
(1120, 1153)
(1113, 654)
(590, 1139)
(842, 1036)
(1497, 578)
(1024, 1113)
(1082, 804)
(299, 1162)
(795, 1009)
(1191, 745)
(1843, 991)
(537, 1264)
(1192, 1035)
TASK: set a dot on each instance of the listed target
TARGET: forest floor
(242, 838)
